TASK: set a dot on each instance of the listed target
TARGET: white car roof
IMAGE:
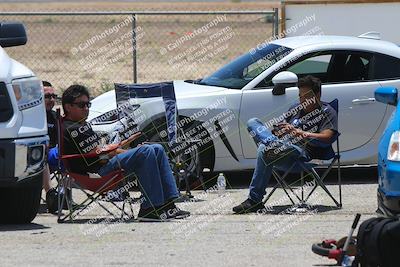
(340, 42)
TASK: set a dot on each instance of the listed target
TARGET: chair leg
(186, 178)
(281, 181)
(283, 184)
(131, 201)
(90, 198)
(322, 185)
(199, 175)
(286, 186)
(62, 184)
(339, 182)
(270, 194)
(302, 186)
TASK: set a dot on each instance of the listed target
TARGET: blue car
(389, 156)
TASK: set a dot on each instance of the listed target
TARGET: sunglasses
(48, 96)
(82, 104)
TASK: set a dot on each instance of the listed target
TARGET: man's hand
(285, 128)
(300, 133)
(130, 139)
(108, 149)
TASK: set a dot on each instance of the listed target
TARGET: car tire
(20, 204)
(203, 155)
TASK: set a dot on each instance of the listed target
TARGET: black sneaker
(174, 212)
(152, 215)
(52, 200)
(248, 206)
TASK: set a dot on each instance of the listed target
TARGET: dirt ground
(121, 5)
(54, 44)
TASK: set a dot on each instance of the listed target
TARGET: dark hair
(72, 93)
(47, 84)
(311, 82)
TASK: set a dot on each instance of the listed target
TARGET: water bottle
(221, 184)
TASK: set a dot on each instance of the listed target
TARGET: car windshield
(245, 68)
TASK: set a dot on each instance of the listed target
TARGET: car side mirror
(12, 34)
(283, 80)
(387, 95)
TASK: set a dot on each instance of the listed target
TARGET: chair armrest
(77, 156)
(109, 148)
(319, 143)
(316, 142)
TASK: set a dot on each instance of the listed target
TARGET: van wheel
(20, 204)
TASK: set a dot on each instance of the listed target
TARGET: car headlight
(114, 115)
(35, 154)
(393, 149)
(28, 92)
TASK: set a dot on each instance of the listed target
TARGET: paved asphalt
(212, 236)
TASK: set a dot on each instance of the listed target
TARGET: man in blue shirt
(289, 139)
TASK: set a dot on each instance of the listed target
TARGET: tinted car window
(356, 68)
(317, 64)
(386, 67)
(330, 67)
(242, 70)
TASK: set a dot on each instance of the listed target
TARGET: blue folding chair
(300, 166)
(176, 137)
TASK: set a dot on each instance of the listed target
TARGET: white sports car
(350, 68)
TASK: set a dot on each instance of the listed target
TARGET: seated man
(51, 193)
(289, 140)
(149, 163)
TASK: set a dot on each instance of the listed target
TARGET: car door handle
(363, 100)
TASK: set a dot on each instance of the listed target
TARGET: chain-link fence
(98, 48)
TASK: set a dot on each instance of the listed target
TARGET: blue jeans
(266, 161)
(150, 165)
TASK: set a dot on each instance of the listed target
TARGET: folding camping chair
(330, 158)
(95, 187)
(175, 134)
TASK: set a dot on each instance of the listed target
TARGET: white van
(23, 132)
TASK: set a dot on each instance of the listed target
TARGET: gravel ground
(212, 236)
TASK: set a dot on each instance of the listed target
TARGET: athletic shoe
(248, 206)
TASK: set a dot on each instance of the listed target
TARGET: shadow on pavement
(242, 179)
(98, 220)
(292, 209)
(21, 227)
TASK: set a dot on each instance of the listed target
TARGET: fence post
(275, 28)
(134, 54)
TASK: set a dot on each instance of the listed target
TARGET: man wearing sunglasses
(49, 100)
(149, 163)
(52, 156)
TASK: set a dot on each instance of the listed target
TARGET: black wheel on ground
(20, 204)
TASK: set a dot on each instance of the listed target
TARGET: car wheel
(20, 204)
(189, 155)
